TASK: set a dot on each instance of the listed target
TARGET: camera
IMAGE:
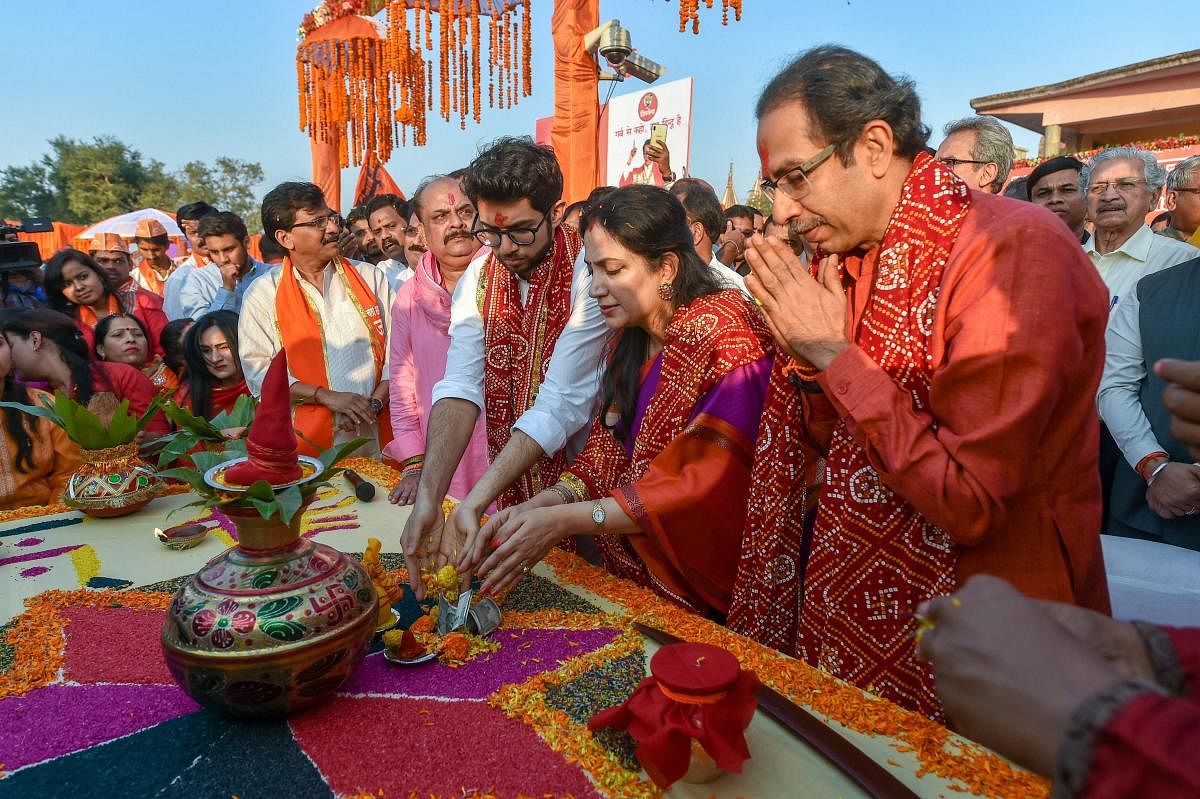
(18, 255)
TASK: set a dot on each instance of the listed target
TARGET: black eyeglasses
(321, 222)
(794, 182)
(520, 236)
(954, 162)
(1188, 191)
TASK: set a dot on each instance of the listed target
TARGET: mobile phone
(658, 134)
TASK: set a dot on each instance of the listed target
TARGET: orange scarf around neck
(303, 336)
(88, 317)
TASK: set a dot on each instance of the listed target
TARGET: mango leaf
(340, 451)
(176, 447)
(289, 500)
(204, 460)
(41, 411)
(154, 407)
(123, 427)
(186, 420)
(240, 415)
(261, 490)
(205, 502)
(192, 477)
(85, 428)
(266, 508)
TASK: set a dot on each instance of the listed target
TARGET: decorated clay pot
(111, 482)
(272, 625)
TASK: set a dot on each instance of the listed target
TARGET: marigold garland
(1151, 145)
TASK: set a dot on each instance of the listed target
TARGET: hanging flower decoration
(689, 11)
(368, 86)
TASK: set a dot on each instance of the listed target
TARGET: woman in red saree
(663, 479)
(214, 371)
(49, 347)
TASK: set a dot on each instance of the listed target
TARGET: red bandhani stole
(302, 336)
(518, 342)
(873, 557)
(705, 341)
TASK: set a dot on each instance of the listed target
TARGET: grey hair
(993, 144)
(1154, 172)
(1183, 172)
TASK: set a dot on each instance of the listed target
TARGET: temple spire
(730, 197)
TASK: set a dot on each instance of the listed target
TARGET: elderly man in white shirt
(526, 343)
(1122, 185)
(222, 287)
(329, 313)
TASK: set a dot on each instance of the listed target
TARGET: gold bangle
(564, 492)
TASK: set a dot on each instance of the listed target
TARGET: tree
(228, 184)
(84, 182)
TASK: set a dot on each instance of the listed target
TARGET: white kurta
(348, 356)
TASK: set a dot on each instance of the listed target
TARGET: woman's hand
(477, 546)
(522, 540)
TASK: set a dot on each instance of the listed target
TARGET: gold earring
(666, 292)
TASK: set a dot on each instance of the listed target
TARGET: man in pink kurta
(420, 337)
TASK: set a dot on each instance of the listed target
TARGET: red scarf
(873, 557)
(518, 342)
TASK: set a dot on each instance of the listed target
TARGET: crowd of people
(808, 426)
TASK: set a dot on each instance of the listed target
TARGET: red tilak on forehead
(501, 219)
(453, 199)
(763, 157)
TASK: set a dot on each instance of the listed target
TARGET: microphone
(363, 489)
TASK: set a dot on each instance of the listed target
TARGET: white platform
(1153, 582)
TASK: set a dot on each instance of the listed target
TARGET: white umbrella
(126, 224)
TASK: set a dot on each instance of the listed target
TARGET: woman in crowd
(121, 338)
(214, 371)
(76, 286)
(171, 341)
(48, 346)
(663, 478)
(37, 457)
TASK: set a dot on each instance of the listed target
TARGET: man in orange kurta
(945, 366)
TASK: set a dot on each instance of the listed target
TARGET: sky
(185, 81)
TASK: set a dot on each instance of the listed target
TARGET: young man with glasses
(525, 351)
(1122, 186)
(330, 314)
(926, 370)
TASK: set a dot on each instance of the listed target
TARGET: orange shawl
(88, 317)
(151, 280)
(303, 337)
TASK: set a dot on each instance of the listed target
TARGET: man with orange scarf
(945, 352)
(329, 313)
(525, 350)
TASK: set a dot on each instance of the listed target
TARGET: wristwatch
(598, 515)
(376, 406)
